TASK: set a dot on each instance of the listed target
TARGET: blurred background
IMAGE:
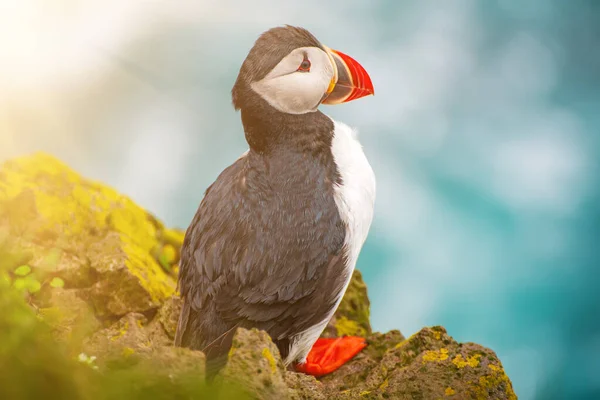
(483, 134)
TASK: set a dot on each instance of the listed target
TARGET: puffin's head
(294, 73)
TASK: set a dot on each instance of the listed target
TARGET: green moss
(28, 283)
(57, 283)
(355, 304)
(346, 327)
(23, 270)
(166, 256)
(352, 315)
(380, 343)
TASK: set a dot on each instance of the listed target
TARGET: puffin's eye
(304, 66)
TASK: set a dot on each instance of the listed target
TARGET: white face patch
(297, 92)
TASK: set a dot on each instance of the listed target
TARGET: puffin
(277, 235)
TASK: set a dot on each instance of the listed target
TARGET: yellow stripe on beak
(334, 78)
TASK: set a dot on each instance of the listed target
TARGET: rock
(87, 234)
(100, 274)
(304, 387)
(355, 373)
(70, 317)
(126, 337)
(132, 341)
(353, 315)
(428, 365)
(168, 315)
(254, 363)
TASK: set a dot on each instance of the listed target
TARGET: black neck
(268, 129)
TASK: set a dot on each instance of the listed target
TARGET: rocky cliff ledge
(89, 309)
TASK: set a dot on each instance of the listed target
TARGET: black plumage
(266, 246)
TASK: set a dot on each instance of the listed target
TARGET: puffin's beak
(350, 80)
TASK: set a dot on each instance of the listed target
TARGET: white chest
(355, 197)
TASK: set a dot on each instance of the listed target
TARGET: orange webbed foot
(328, 354)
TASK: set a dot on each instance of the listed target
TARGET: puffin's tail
(216, 353)
(189, 335)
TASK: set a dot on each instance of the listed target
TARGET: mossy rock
(88, 235)
(254, 364)
(89, 278)
(304, 387)
(168, 315)
(428, 365)
(70, 317)
(355, 373)
(353, 314)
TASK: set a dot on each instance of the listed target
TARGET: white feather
(355, 200)
(355, 197)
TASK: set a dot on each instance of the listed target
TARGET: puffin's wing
(242, 265)
(200, 273)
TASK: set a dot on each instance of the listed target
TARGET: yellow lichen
(231, 352)
(122, 332)
(449, 391)
(435, 355)
(127, 351)
(472, 361)
(151, 277)
(352, 315)
(272, 363)
(497, 377)
(346, 327)
(384, 385)
(384, 370)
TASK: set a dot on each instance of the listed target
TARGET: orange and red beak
(350, 80)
